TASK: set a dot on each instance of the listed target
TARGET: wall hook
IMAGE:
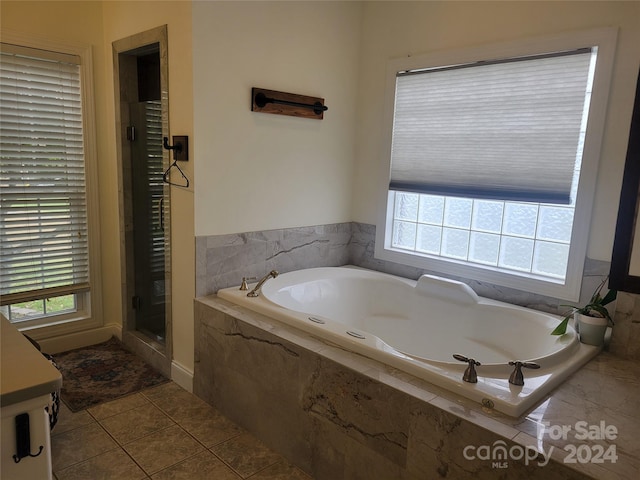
(180, 147)
(23, 438)
(180, 150)
(165, 144)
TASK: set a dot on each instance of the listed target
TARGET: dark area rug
(103, 372)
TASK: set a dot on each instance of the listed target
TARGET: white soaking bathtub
(417, 326)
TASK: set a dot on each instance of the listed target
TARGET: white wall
(394, 29)
(256, 171)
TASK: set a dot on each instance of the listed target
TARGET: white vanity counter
(27, 379)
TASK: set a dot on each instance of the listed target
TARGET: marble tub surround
(625, 335)
(336, 414)
(222, 260)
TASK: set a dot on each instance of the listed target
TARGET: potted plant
(591, 319)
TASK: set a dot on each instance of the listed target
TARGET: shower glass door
(148, 200)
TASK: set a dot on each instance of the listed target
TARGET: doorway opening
(142, 104)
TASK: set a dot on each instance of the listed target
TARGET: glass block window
(524, 237)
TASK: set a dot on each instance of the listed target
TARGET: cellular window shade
(503, 130)
(43, 221)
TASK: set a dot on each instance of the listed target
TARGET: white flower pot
(591, 329)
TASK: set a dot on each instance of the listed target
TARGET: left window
(45, 232)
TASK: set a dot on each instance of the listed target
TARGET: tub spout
(470, 374)
(256, 290)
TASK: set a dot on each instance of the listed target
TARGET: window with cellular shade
(505, 130)
(43, 219)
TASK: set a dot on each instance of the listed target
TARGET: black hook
(23, 438)
(165, 144)
(177, 150)
(17, 458)
(180, 147)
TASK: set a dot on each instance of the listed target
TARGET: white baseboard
(182, 376)
(70, 341)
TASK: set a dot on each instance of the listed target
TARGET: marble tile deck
(161, 433)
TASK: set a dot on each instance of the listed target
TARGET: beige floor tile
(78, 445)
(246, 454)
(162, 449)
(203, 466)
(67, 420)
(120, 405)
(197, 417)
(162, 391)
(113, 465)
(136, 423)
(154, 445)
(207, 425)
(281, 471)
(174, 400)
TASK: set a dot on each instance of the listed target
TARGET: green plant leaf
(609, 297)
(596, 304)
(596, 294)
(561, 329)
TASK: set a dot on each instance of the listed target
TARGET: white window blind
(507, 130)
(43, 220)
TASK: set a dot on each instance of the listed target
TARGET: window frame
(89, 304)
(605, 40)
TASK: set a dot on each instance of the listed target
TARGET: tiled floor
(161, 433)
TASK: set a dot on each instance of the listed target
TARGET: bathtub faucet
(256, 290)
(517, 378)
(470, 374)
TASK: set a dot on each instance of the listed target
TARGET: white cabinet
(26, 380)
(28, 468)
